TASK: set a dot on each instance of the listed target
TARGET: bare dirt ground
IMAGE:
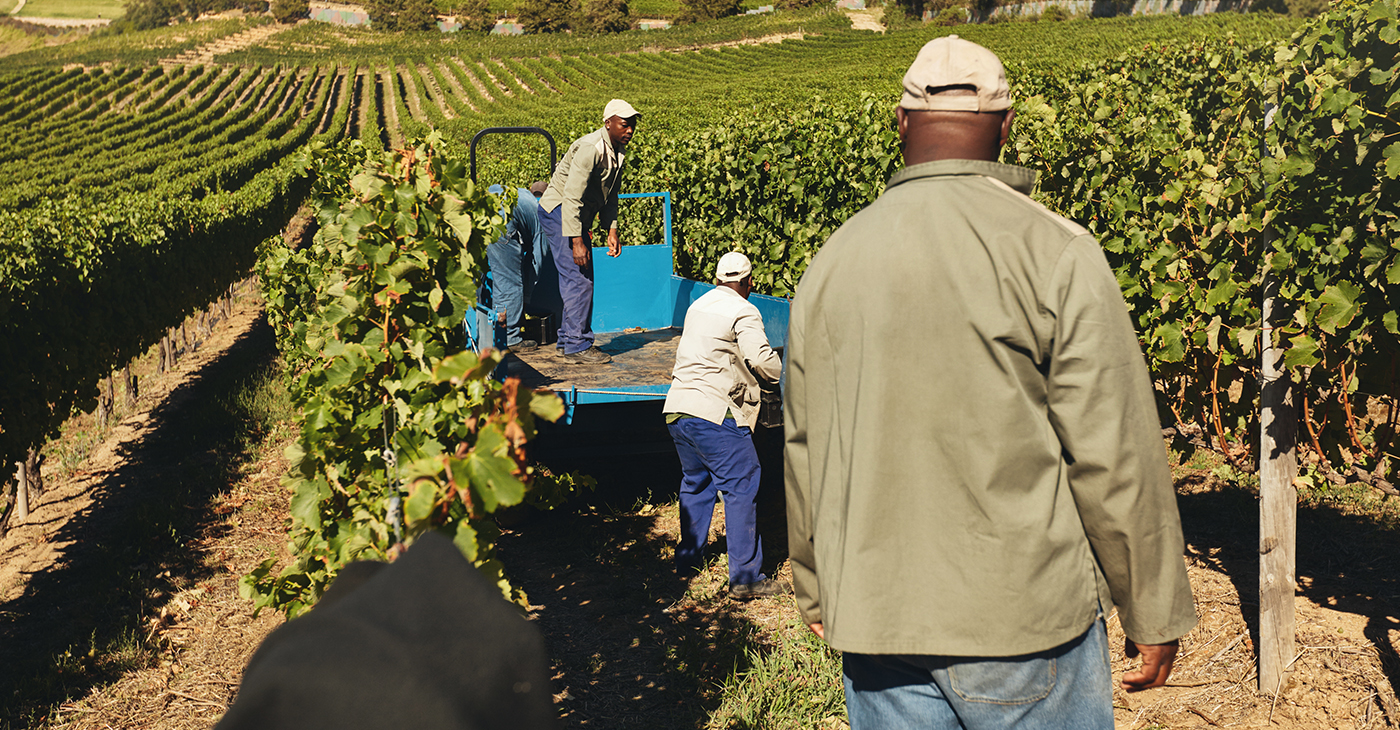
(119, 605)
(118, 598)
(626, 639)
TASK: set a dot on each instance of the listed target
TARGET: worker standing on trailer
(515, 262)
(711, 410)
(963, 513)
(583, 189)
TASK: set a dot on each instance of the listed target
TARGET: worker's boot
(762, 589)
(591, 356)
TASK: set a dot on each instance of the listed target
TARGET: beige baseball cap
(733, 266)
(619, 108)
(952, 74)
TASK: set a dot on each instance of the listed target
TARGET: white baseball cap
(733, 266)
(619, 108)
(956, 75)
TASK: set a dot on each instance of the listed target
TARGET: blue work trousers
(1065, 688)
(575, 285)
(719, 459)
(513, 271)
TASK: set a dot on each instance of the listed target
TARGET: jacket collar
(1020, 179)
(727, 291)
(612, 160)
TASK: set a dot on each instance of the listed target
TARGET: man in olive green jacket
(975, 470)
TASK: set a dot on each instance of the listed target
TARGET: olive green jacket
(974, 460)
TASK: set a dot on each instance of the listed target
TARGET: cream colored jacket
(722, 354)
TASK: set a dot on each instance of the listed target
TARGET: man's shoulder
(588, 141)
(982, 202)
(722, 300)
(1032, 208)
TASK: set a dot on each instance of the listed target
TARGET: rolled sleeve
(1102, 409)
(763, 362)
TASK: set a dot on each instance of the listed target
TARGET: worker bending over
(515, 262)
(711, 410)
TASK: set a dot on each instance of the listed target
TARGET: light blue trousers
(1065, 688)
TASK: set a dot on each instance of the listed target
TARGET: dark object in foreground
(424, 642)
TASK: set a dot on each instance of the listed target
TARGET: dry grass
(201, 637)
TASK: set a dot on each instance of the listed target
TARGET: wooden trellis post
(21, 493)
(1278, 504)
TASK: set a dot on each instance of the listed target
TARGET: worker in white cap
(711, 410)
(582, 191)
(967, 508)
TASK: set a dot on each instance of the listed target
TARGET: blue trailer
(639, 307)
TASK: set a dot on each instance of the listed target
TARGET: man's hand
(583, 254)
(818, 630)
(614, 243)
(1156, 664)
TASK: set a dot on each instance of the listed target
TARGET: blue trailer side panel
(633, 289)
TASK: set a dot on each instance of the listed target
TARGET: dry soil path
(118, 598)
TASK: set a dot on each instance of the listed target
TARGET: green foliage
(1334, 189)
(547, 16)
(418, 15)
(290, 11)
(401, 430)
(909, 9)
(693, 11)
(164, 229)
(475, 15)
(395, 15)
(1055, 13)
(771, 186)
(147, 14)
(64, 261)
(1164, 171)
(950, 16)
(606, 16)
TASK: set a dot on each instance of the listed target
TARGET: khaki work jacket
(586, 183)
(974, 460)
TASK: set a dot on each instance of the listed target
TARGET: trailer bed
(641, 365)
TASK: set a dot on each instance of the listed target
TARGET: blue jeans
(719, 458)
(1068, 687)
(575, 285)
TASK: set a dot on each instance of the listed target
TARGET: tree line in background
(957, 12)
(536, 16)
(614, 16)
